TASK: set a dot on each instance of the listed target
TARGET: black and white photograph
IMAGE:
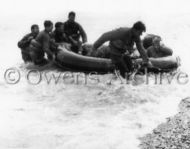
(94, 74)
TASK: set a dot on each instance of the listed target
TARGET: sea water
(104, 114)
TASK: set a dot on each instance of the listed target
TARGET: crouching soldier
(24, 43)
(158, 50)
(121, 41)
(42, 45)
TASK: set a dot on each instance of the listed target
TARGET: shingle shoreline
(174, 134)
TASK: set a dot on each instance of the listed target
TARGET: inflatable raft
(73, 61)
(76, 62)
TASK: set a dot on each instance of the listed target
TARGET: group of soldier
(35, 44)
(121, 43)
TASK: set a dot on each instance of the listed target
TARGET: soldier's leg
(38, 57)
(26, 55)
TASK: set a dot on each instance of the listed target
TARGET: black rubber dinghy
(73, 61)
(76, 62)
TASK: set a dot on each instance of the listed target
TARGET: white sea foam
(104, 116)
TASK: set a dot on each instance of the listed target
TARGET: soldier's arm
(167, 51)
(108, 36)
(141, 50)
(83, 34)
(64, 33)
(45, 45)
(25, 40)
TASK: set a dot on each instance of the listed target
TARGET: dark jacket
(58, 36)
(25, 41)
(74, 30)
(121, 40)
(44, 40)
(148, 40)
